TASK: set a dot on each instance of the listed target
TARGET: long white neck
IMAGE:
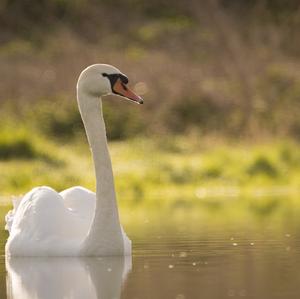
(105, 235)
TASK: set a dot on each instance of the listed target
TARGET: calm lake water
(258, 259)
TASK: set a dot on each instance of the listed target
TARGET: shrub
(58, 118)
(19, 148)
(262, 165)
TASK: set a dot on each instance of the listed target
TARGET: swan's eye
(124, 79)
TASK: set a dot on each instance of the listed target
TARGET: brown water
(184, 262)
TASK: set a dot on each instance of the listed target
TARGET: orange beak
(121, 89)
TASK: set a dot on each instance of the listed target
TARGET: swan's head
(103, 79)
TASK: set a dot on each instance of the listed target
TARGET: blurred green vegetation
(223, 74)
(226, 67)
(175, 168)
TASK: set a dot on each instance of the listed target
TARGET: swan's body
(47, 223)
(76, 222)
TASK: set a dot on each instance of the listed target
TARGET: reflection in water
(61, 278)
(252, 257)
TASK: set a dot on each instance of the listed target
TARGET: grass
(145, 169)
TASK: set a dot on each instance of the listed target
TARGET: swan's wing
(80, 201)
(9, 217)
(41, 211)
(41, 224)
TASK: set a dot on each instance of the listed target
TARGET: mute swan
(77, 222)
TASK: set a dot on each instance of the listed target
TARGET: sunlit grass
(147, 170)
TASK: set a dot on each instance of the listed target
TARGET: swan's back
(42, 225)
(47, 223)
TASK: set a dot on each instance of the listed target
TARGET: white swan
(76, 222)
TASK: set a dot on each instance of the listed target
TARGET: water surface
(254, 259)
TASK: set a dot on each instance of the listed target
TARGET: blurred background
(207, 171)
(221, 83)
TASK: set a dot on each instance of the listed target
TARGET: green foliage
(60, 119)
(204, 68)
(24, 143)
(57, 119)
(204, 71)
(146, 170)
(17, 145)
(262, 165)
(156, 31)
(122, 123)
(212, 172)
(21, 148)
(202, 112)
